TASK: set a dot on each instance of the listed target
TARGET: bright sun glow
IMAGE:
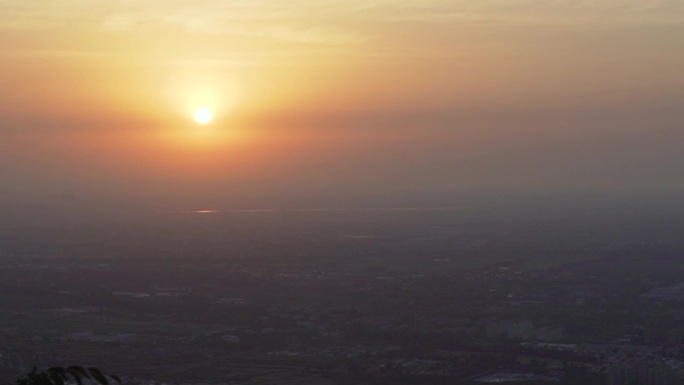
(203, 115)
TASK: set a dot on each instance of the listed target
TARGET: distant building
(523, 330)
(549, 333)
(126, 338)
(81, 336)
(646, 372)
(520, 330)
(231, 339)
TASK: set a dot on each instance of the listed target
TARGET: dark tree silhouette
(58, 375)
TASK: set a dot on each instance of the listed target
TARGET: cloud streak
(213, 16)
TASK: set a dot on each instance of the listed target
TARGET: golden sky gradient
(354, 98)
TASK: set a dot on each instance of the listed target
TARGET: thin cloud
(307, 26)
(534, 12)
(284, 21)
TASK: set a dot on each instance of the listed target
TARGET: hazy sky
(338, 102)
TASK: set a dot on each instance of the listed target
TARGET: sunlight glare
(203, 115)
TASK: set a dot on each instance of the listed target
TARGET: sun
(203, 115)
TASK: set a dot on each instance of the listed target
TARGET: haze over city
(267, 192)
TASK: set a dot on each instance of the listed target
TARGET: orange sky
(337, 98)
